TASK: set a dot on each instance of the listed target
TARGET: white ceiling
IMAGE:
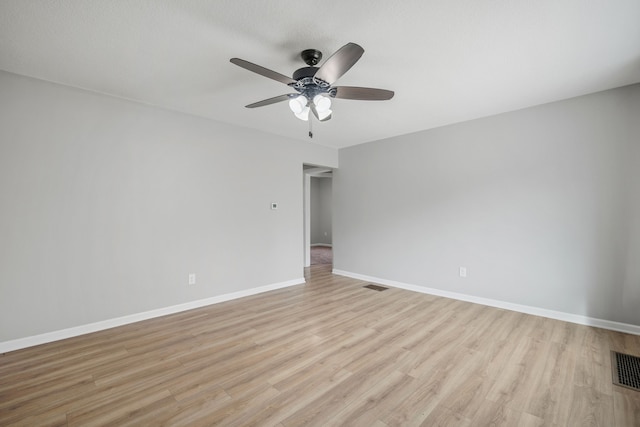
(447, 60)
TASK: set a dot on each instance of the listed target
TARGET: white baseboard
(20, 343)
(543, 312)
(326, 245)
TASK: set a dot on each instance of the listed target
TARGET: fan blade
(273, 100)
(315, 113)
(363, 93)
(339, 63)
(262, 71)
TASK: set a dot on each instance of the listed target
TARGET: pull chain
(310, 128)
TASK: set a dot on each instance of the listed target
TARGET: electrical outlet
(192, 278)
(463, 271)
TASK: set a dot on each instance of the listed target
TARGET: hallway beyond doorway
(321, 255)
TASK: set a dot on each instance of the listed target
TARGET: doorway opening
(318, 216)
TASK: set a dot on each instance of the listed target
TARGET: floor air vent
(375, 287)
(626, 370)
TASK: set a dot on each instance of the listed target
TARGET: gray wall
(321, 206)
(541, 205)
(108, 205)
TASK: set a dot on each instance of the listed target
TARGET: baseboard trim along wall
(536, 311)
(48, 337)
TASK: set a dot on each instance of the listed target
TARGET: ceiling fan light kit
(313, 85)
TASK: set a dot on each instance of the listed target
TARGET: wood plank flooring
(326, 353)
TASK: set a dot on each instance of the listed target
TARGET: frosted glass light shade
(323, 114)
(323, 103)
(304, 114)
(298, 104)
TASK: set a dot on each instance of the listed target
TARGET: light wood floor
(326, 353)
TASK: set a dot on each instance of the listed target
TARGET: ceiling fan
(313, 85)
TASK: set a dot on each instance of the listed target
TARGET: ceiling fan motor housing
(306, 83)
(304, 72)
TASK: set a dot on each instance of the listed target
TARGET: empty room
(421, 213)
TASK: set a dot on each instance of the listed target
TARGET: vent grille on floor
(626, 370)
(375, 287)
